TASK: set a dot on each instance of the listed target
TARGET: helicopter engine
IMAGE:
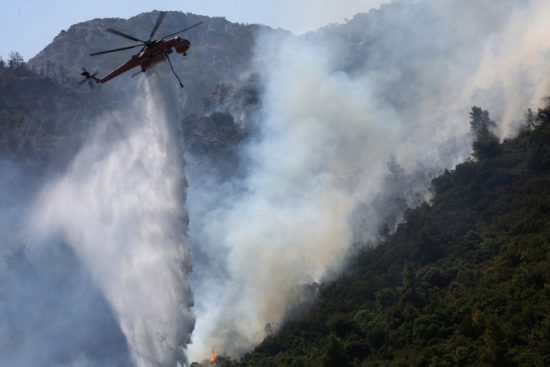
(182, 46)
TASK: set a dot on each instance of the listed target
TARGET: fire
(213, 357)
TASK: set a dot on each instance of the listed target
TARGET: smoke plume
(120, 209)
(352, 118)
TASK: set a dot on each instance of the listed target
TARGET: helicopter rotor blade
(114, 50)
(119, 33)
(183, 30)
(157, 24)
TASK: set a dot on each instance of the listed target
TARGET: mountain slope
(464, 280)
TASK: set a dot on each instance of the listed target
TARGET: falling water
(120, 206)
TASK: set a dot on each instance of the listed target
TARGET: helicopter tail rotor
(92, 79)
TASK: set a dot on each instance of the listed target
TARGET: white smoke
(395, 85)
(513, 72)
(120, 207)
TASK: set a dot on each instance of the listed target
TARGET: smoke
(513, 71)
(353, 119)
(120, 209)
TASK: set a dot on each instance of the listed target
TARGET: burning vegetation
(213, 361)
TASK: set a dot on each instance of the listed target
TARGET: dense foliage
(464, 280)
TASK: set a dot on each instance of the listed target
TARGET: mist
(353, 119)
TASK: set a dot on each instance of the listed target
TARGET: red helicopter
(151, 53)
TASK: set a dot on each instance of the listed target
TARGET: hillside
(463, 281)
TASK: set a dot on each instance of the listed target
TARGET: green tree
(15, 60)
(486, 143)
(334, 354)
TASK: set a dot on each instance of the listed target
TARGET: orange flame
(213, 357)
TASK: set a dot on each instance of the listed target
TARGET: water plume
(121, 208)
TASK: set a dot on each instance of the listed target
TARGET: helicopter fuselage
(151, 54)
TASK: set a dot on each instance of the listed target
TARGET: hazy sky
(28, 26)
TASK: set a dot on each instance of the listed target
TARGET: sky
(27, 26)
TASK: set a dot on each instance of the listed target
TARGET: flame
(213, 357)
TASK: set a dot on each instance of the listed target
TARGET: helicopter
(152, 52)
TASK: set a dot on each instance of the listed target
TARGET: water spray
(121, 208)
